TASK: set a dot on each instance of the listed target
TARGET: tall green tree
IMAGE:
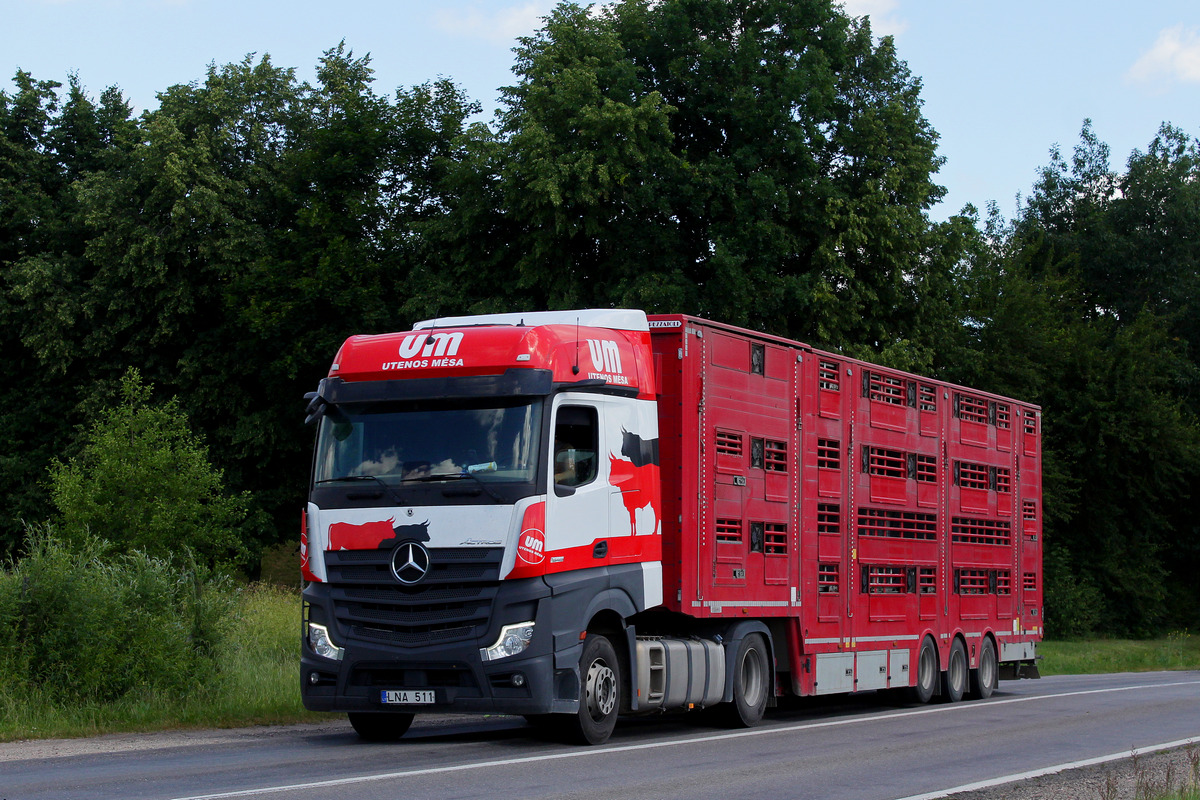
(47, 144)
(224, 244)
(1079, 305)
(757, 161)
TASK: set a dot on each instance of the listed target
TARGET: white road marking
(1037, 773)
(603, 751)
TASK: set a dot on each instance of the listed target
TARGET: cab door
(577, 504)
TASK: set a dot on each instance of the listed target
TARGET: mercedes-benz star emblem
(410, 563)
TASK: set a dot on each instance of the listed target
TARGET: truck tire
(955, 678)
(927, 672)
(380, 727)
(987, 674)
(599, 692)
(751, 683)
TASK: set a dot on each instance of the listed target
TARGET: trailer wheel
(987, 674)
(376, 727)
(599, 692)
(751, 682)
(927, 672)
(956, 672)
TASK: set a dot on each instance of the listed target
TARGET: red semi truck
(575, 515)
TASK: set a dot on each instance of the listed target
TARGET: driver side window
(576, 442)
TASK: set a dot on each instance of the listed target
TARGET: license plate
(408, 696)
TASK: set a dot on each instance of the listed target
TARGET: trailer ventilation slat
(829, 518)
(776, 456)
(776, 539)
(896, 524)
(927, 469)
(927, 398)
(827, 578)
(829, 454)
(964, 530)
(729, 530)
(927, 580)
(729, 444)
(828, 376)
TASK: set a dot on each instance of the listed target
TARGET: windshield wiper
(448, 476)
(386, 487)
(457, 476)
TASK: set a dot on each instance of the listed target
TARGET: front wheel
(380, 727)
(751, 682)
(599, 691)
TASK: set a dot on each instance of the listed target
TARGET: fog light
(518, 680)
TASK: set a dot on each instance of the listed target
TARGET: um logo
(531, 547)
(606, 357)
(435, 344)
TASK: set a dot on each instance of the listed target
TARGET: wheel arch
(732, 638)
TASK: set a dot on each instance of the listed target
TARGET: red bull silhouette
(374, 535)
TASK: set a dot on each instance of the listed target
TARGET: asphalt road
(870, 747)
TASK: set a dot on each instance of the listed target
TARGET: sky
(1002, 83)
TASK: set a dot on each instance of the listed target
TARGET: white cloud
(499, 25)
(1174, 57)
(884, 21)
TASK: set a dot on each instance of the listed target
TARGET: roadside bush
(81, 621)
(143, 482)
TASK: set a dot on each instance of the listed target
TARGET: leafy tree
(45, 145)
(225, 244)
(1075, 306)
(757, 161)
(143, 481)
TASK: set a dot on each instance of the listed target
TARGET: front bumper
(527, 683)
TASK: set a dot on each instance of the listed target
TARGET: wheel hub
(601, 689)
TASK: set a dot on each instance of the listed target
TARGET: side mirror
(316, 407)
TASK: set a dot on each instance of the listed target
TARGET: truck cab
(482, 510)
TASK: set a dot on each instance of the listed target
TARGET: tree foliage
(85, 624)
(1086, 303)
(768, 158)
(143, 482)
(761, 162)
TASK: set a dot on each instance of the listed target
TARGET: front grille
(452, 603)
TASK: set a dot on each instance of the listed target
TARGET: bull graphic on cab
(636, 475)
(374, 535)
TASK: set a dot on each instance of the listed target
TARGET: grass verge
(257, 683)
(1177, 650)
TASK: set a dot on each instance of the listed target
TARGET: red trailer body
(860, 511)
(576, 515)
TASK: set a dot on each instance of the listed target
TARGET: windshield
(431, 440)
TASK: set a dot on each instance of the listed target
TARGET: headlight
(322, 645)
(513, 639)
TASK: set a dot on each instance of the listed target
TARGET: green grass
(258, 683)
(1178, 650)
